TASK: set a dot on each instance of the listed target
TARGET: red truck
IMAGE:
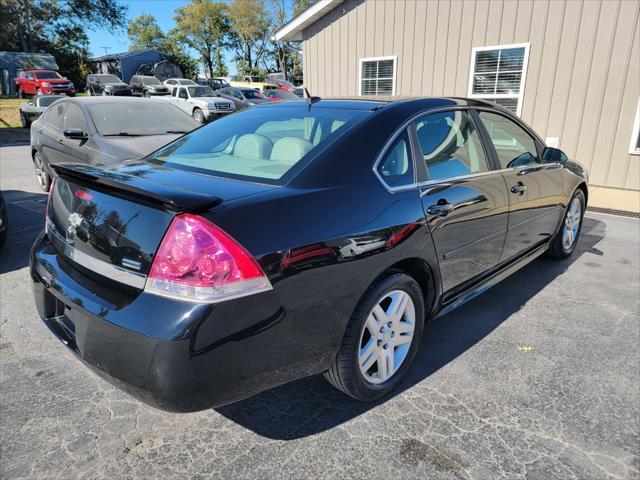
(42, 82)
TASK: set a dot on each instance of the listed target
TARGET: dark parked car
(4, 221)
(30, 111)
(103, 130)
(105, 84)
(303, 238)
(147, 86)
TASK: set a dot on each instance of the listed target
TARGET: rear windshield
(259, 144)
(124, 119)
(48, 100)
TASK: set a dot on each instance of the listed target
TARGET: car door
(74, 149)
(535, 188)
(29, 85)
(464, 199)
(50, 138)
(135, 85)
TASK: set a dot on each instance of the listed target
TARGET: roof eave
(292, 31)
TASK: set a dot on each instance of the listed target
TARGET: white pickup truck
(201, 102)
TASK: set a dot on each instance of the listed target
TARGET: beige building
(569, 68)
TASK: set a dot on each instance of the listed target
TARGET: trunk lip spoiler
(157, 195)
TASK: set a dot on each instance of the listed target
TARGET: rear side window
(451, 145)
(396, 167)
(514, 146)
(55, 114)
(260, 144)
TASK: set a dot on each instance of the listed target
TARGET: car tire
(104, 93)
(4, 221)
(24, 121)
(147, 94)
(198, 116)
(20, 93)
(42, 175)
(38, 91)
(564, 243)
(363, 368)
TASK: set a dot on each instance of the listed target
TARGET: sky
(162, 10)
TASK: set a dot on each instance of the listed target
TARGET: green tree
(249, 33)
(144, 33)
(57, 27)
(300, 6)
(203, 26)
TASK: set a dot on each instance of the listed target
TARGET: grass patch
(10, 111)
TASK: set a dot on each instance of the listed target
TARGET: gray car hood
(141, 146)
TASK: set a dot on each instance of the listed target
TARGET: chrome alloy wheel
(387, 336)
(572, 224)
(41, 174)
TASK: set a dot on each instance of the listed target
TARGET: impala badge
(134, 264)
(75, 220)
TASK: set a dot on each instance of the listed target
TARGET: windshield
(48, 100)
(250, 93)
(42, 75)
(151, 81)
(257, 79)
(108, 79)
(260, 144)
(187, 82)
(201, 92)
(126, 119)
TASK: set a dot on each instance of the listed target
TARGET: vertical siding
(583, 78)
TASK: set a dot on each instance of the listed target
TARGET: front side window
(55, 114)
(377, 76)
(261, 144)
(450, 145)
(396, 167)
(514, 146)
(498, 75)
(74, 118)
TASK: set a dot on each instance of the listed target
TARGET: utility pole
(106, 50)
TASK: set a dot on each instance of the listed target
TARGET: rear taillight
(198, 261)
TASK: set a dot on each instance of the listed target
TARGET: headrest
(253, 146)
(290, 150)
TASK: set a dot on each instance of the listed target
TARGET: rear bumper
(177, 356)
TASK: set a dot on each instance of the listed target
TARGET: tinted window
(514, 146)
(396, 168)
(55, 114)
(131, 118)
(151, 81)
(451, 145)
(258, 144)
(43, 75)
(74, 118)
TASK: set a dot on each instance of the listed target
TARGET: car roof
(103, 100)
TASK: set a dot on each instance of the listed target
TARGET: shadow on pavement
(311, 405)
(26, 219)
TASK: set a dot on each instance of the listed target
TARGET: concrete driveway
(538, 378)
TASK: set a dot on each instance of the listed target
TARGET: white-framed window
(498, 74)
(634, 145)
(378, 76)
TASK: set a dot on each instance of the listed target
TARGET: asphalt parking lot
(539, 378)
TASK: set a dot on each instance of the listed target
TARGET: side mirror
(76, 133)
(553, 155)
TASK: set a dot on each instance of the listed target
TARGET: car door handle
(442, 208)
(519, 188)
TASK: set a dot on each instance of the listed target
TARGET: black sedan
(103, 130)
(105, 84)
(296, 239)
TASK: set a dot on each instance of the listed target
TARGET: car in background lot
(218, 83)
(4, 221)
(145, 86)
(103, 130)
(250, 81)
(285, 85)
(172, 83)
(246, 96)
(106, 84)
(43, 82)
(237, 98)
(281, 96)
(201, 102)
(217, 266)
(31, 110)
